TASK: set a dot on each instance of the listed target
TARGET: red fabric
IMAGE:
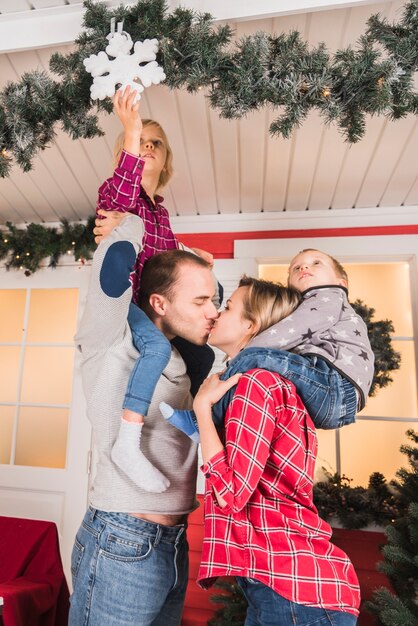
(32, 581)
(269, 528)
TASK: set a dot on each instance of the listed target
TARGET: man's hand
(106, 224)
(206, 256)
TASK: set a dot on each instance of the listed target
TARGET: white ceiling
(226, 168)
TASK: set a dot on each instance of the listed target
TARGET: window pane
(398, 399)
(368, 447)
(327, 454)
(9, 368)
(52, 315)
(12, 307)
(7, 414)
(370, 281)
(42, 437)
(47, 375)
(275, 273)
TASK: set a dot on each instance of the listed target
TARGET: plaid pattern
(270, 529)
(123, 192)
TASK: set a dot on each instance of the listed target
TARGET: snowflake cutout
(138, 70)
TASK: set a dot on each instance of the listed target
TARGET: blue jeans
(155, 352)
(127, 571)
(329, 397)
(268, 608)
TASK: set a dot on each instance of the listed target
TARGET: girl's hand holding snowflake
(127, 111)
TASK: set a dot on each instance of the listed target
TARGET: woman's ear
(253, 328)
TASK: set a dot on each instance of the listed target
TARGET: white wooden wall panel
(385, 159)
(10, 6)
(405, 172)
(356, 165)
(227, 167)
(331, 147)
(307, 143)
(412, 197)
(46, 4)
(81, 168)
(164, 108)
(16, 190)
(194, 121)
(224, 138)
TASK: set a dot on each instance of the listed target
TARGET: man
(129, 560)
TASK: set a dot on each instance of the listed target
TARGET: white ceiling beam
(244, 10)
(42, 28)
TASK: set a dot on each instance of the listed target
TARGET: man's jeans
(268, 608)
(127, 571)
(329, 398)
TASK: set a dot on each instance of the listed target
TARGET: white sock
(128, 457)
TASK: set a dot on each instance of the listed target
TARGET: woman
(260, 521)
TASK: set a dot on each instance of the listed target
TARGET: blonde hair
(168, 171)
(339, 270)
(266, 303)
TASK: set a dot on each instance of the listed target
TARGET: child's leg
(199, 361)
(155, 352)
(184, 420)
(318, 384)
(128, 457)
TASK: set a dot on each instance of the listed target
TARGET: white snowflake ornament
(138, 70)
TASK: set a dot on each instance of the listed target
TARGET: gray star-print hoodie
(326, 325)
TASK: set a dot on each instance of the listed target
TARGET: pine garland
(26, 248)
(280, 71)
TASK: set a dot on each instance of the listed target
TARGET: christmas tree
(401, 552)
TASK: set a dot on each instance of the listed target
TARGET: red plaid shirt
(270, 529)
(123, 192)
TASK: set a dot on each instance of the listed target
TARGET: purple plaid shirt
(123, 192)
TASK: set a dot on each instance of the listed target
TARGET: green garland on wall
(26, 248)
(281, 71)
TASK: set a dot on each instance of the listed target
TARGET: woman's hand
(106, 224)
(211, 390)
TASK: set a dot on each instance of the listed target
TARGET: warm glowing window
(373, 442)
(36, 361)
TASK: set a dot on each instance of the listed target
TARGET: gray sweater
(107, 357)
(326, 325)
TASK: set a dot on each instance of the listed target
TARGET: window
(36, 361)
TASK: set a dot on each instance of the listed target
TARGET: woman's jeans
(127, 571)
(329, 397)
(268, 608)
